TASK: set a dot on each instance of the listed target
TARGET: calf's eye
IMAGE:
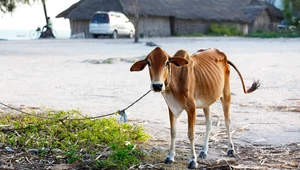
(149, 64)
(167, 63)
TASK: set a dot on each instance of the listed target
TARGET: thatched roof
(254, 7)
(184, 9)
(85, 9)
(212, 10)
(67, 11)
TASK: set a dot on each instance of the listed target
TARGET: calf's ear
(178, 61)
(139, 65)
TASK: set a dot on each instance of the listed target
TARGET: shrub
(223, 30)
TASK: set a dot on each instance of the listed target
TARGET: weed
(69, 141)
(72, 156)
(123, 156)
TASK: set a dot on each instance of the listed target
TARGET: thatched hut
(178, 17)
(262, 16)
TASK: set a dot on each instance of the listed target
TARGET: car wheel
(130, 35)
(114, 35)
(95, 36)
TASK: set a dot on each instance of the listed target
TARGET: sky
(32, 16)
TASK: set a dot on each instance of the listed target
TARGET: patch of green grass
(223, 30)
(262, 34)
(108, 61)
(193, 35)
(108, 142)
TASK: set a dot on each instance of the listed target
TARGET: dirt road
(66, 74)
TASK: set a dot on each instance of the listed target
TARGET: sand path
(51, 73)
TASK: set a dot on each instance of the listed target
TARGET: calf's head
(158, 62)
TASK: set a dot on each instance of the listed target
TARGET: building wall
(273, 26)
(244, 28)
(151, 26)
(160, 26)
(80, 26)
(185, 27)
(148, 26)
(261, 23)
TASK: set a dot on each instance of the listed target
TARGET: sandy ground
(52, 73)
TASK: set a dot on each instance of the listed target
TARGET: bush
(223, 30)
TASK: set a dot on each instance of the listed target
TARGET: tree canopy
(292, 9)
(10, 5)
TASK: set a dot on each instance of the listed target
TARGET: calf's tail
(255, 84)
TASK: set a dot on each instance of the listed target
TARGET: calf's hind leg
(226, 99)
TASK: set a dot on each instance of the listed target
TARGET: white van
(111, 23)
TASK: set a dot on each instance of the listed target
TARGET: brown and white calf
(190, 82)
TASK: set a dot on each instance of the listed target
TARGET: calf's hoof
(230, 152)
(202, 155)
(192, 165)
(168, 161)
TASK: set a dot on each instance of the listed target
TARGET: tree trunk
(136, 20)
(137, 32)
(45, 11)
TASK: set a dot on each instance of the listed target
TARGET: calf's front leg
(203, 152)
(173, 121)
(191, 134)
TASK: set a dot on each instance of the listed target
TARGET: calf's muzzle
(157, 87)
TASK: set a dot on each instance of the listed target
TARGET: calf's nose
(157, 87)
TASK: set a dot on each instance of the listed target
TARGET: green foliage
(262, 34)
(69, 141)
(287, 11)
(223, 30)
(289, 7)
(123, 157)
(10, 5)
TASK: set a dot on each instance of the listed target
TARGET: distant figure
(50, 24)
(47, 30)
